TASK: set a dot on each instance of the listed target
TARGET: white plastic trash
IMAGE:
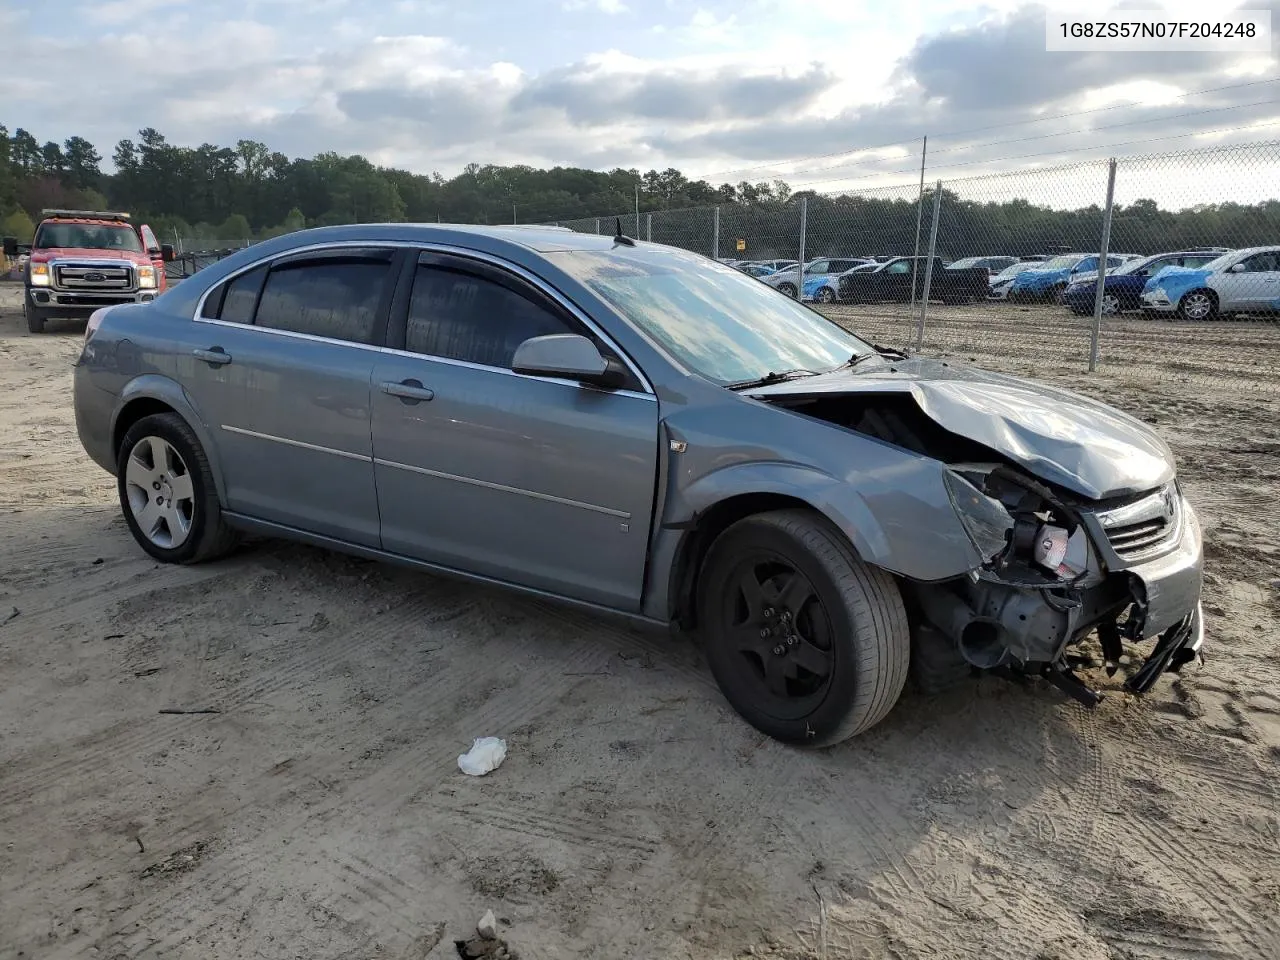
(485, 755)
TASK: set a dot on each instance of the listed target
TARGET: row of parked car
(1201, 283)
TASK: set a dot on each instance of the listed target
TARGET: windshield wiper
(858, 358)
(770, 378)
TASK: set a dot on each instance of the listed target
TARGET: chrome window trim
(425, 246)
(346, 454)
(504, 488)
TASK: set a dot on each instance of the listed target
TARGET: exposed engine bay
(1049, 575)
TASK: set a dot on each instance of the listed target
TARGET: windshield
(88, 236)
(964, 263)
(1220, 262)
(1060, 263)
(716, 321)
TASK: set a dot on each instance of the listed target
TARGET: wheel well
(707, 526)
(1208, 291)
(134, 411)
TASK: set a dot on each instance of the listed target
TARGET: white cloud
(604, 6)
(705, 85)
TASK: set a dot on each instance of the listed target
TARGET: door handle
(409, 391)
(214, 355)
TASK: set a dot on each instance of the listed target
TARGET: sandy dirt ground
(320, 813)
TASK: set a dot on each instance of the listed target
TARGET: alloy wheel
(160, 493)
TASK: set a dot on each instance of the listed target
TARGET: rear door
(282, 378)
(531, 480)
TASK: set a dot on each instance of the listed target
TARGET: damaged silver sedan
(640, 430)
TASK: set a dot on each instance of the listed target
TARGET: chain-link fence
(1006, 266)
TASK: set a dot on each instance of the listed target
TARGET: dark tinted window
(460, 316)
(234, 300)
(325, 298)
(1262, 263)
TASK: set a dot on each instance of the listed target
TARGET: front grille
(89, 277)
(1137, 538)
(1144, 526)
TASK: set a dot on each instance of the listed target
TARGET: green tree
(82, 162)
(235, 231)
(18, 224)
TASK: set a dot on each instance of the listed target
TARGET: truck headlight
(40, 275)
(147, 277)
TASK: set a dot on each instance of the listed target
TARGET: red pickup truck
(81, 260)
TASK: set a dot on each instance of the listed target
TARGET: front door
(1255, 288)
(281, 377)
(531, 480)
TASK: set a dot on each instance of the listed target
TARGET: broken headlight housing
(1024, 532)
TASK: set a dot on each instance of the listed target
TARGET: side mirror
(166, 252)
(568, 356)
(1236, 268)
(10, 246)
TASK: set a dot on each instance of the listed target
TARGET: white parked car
(1243, 281)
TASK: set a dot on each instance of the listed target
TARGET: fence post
(804, 223)
(715, 235)
(597, 224)
(1102, 266)
(928, 270)
(648, 227)
(924, 147)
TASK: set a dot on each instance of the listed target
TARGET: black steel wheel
(808, 643)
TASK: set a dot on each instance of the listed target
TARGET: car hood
(1059, 436)
(88, 253)
(1175, 281)
(1036, 276)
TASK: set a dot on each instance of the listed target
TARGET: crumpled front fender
(896, 513)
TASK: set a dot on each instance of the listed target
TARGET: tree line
(214, 196)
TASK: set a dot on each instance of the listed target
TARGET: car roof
(538, 237)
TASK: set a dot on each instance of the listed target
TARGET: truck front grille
(72, 276)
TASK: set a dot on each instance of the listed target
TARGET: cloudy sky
(727, 89)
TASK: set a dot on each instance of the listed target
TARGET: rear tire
(167, 492)
(788, 288)
(807, 642)
(35, 318)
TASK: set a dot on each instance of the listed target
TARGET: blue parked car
(1051, 279)
(1122, 289)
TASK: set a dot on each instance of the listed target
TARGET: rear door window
(335, 296)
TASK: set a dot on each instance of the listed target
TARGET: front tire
(1198, 305)
(167, 492)
(35, 318)
(807, 642)
(824, 295)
